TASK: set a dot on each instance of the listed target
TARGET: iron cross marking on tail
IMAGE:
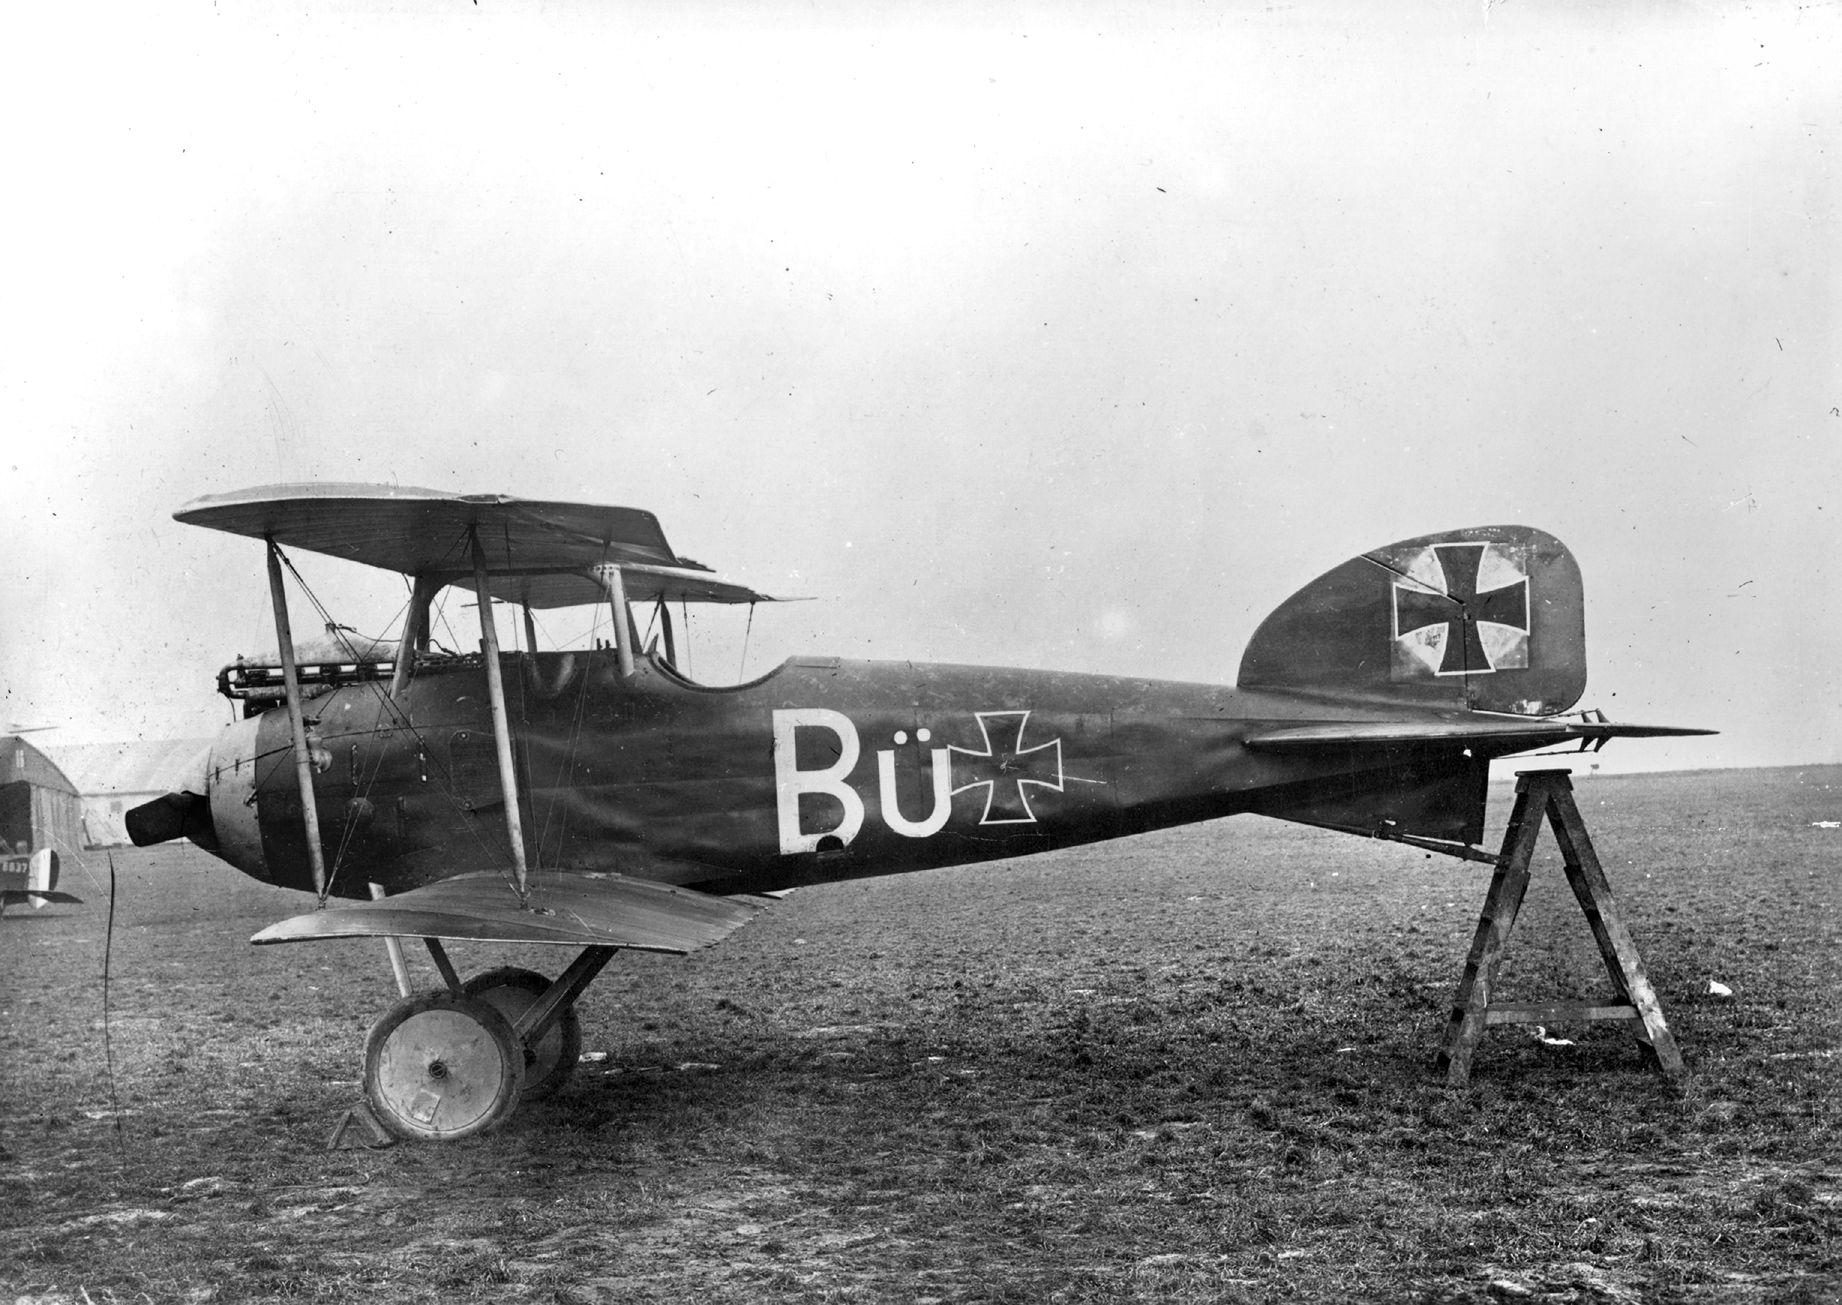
(1005, 767)
(1461, 607)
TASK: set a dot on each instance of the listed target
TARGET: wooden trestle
(1549, 793)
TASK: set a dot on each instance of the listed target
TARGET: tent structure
(39, 806)
(112, 778)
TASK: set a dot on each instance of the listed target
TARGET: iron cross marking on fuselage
(1461, 607)
(1005, 767)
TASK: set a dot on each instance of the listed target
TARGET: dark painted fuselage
(821, 770)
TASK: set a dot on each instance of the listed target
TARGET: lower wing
(579, 909)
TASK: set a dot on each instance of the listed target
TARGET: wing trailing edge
(575, 909)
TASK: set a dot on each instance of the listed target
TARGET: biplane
(598, 798)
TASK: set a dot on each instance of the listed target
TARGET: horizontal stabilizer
(38, 899)
(577, 909)
(1499, 734)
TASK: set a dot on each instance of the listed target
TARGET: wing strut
(415, 633)
(393, 948)
(501, 728)
(297, 723)
(610, 577)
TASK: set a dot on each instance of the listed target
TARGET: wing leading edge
(598, 910)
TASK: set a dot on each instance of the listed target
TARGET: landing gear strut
(549, 1059)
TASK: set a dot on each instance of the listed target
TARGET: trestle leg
(1549, 794)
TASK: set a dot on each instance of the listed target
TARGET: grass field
(1190, 1066)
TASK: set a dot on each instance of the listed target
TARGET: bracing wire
(400, 719)
(652, 623)
(441, 614)
(742, 671)
(338, 633)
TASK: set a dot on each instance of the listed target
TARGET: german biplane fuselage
(821, 770)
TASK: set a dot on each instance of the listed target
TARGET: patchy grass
(1193, 1066)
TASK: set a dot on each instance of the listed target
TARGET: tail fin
(1490, 618)
(44, 873)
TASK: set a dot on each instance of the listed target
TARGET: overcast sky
(1071, 336)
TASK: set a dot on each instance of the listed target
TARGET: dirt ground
(1191, 1066)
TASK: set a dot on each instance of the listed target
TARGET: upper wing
(536, 551)
(580, 909)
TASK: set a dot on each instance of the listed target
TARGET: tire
(549, 1063)
(440, 1067)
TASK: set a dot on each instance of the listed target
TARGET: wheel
(549, 1063)
(440, 1067)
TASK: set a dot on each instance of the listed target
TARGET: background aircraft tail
(1491, 618)
(31, 878)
